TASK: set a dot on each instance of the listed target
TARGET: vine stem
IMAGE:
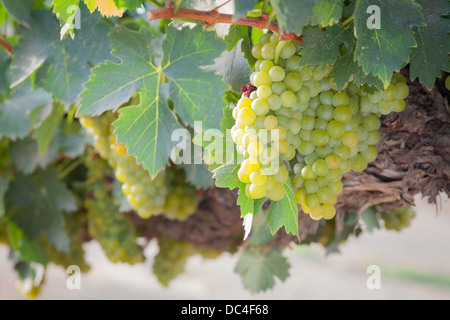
(212, 17)
(8, 48)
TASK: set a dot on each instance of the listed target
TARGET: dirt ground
(414, 264)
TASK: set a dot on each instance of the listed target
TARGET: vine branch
(8, 48)
(213, 16)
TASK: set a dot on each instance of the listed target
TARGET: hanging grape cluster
(168, 193)
(398, 218)
(291, 122)
(110, 227)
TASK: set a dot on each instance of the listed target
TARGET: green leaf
(320, 47)
(226, 175)
(23, 248)
(327, 12)
(369, 217)
(66, 12)
(383, 51)
(241, 7)
(36, 204)
(246, 204)
(4, 185)
(198, 175)
(239, 34)
(233, 66)
(261, 234)
(15, 111)
(433, 44)
(4, 66)
(27, 158)
(20, 10)
(128, 4)
(259, 269)
(284, 213)
(346, 67)
(44, 133)
(293, 15)
(196, 92)
(60, 67)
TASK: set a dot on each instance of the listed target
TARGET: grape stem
(213, 16)
(6, 45)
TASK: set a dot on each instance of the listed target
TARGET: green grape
(293, 81)
(264, 92)
(320, 167)
(342, 113)
(288, 99)
(335, 129)
(277, 74)
(260, 107)
(319, 137)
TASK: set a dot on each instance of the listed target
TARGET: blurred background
(414, 264)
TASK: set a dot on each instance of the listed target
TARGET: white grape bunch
(291, 122)
(167, 193)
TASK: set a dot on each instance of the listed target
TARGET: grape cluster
(168, 193)
(106, 223)
(398, 218)
(171, 259)
(291, 122)
(75, 256)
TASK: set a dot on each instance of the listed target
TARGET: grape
(277, 74)
(293, 81)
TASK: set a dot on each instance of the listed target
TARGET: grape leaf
(259, 269)
(241, 7)
(383, 51)
(20, 10)
(47, 128)
(433, 44)
(284, 213)
(66, 11)
(320, 47)
(346, 67)
(36, 204)
(63, 65)
(23, 248)
(293, 15)
(15, 121)
(240, 34)
(233, 66)
(27, 158)
(4, 66)
(128, 4)
(226, 175)
(4, 185)
(197, 94)
(327, 12)
(105, 7)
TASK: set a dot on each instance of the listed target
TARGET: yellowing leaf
(105, 7)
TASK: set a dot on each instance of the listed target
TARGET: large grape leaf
(320, 47)
(433, 44)
(241, 7)
(383, 51)
(259, 269)
(4, 65)
(20, 10)
(196, 93)
(15, 111)
(36, 204)
(60, 67)
(293, 15)
(327, 12)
